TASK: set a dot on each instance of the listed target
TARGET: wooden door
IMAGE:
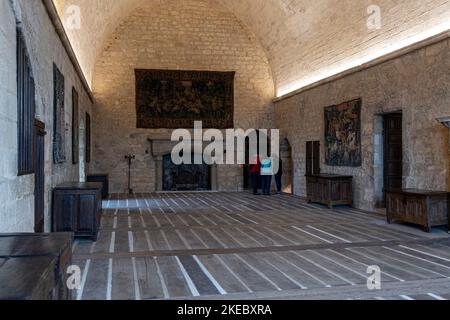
(39, 182)
(393, 152)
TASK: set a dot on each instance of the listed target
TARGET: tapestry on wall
(175, 99)
(343, 134)
(75, 127)
(59, 122)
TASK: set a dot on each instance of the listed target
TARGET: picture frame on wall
(59, 155)
(88, 138)
(75, 127)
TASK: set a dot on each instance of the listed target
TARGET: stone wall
(186, 35)
(44, 48)
(417, 83)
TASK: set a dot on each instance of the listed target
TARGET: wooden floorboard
(238, 246)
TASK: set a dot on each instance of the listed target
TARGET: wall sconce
(445, 121)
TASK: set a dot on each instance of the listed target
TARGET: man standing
(278, 176)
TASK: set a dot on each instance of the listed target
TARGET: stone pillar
(159, 173)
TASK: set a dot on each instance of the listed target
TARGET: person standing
(255, 172)
(266, 175)
(279, 176)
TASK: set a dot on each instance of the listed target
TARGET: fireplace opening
(185, 177)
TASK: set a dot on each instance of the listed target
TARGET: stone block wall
(44, 48)
(177, 35)
(418, 84)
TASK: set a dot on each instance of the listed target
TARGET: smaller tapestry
(59, 155)
(75, 127)
(343, 134)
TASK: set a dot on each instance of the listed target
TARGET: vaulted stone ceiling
(305, 40)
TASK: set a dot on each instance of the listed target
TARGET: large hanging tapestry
(175, 99)
(59, 155)
(343, 134)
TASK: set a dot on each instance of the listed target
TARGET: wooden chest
(34, 266)
(77, 208)
(425, 208)
(330, 189)
(103, 179)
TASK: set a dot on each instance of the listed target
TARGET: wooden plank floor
(238, 246)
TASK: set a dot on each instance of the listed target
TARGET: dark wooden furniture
(329, 189)
(102, 178)
(77, 208)
(34, 266)
(312, 158)
(425, 208)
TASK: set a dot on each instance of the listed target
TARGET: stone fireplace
(169, 177)
(185, 177)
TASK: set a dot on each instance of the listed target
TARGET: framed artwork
(88, 138)
(175, 99)
(343, 134)
(59, 155)
(75, 127)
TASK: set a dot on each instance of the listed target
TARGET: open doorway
(287, 180)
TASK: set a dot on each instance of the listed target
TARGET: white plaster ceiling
(305, 40)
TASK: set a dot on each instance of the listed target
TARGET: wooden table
(34, 266)
(77, 208)
(422, 207)
(330, 189)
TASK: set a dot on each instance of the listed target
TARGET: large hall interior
(355, 96)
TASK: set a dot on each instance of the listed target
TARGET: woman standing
(266, 175)
(255, 172)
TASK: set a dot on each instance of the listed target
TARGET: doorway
(287, 180)
(393, 152)
(39, 182)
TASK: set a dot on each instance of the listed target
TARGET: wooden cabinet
(103, 179)
(425, 208)
(330, 189)
(34, 266)
(77, 208)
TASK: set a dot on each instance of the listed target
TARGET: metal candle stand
(129, 157)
